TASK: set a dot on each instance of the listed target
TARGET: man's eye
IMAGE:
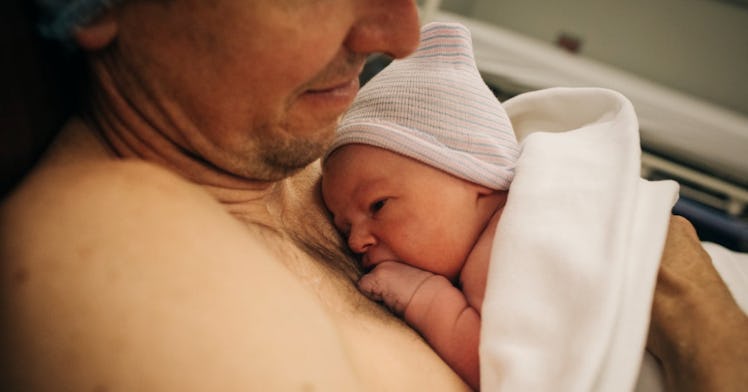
(377, 205)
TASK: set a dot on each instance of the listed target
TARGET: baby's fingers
(378, 288)
(370, 286)
(393, 284)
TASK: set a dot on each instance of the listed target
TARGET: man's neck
(251, 201)
(139, 118)
(139, 127)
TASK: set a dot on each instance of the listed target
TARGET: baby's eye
(377, 205)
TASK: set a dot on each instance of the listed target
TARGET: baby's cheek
(443, 261)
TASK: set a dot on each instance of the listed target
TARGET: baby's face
(394, 208)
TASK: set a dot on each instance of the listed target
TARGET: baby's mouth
(368, 264)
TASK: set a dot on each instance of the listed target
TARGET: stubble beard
(276, 159)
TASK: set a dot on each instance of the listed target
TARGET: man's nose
(360, 240)
(385, 26)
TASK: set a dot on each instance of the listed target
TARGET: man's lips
(335, 97)
(335, 81)
(336, 87)
(341, 91)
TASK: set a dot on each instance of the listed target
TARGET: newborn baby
(416, 180)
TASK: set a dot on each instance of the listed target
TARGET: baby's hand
(393, 283)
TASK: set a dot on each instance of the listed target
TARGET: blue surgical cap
(60, 16)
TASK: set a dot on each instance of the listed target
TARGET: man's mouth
(334, 98)
(336, 92)
(344, 89)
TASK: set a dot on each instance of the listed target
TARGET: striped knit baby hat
(433, 106)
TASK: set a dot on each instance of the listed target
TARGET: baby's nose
(360, 240)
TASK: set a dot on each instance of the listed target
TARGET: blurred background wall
(697, 46)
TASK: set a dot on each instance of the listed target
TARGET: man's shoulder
(111, 185)
(73, 205)
(144, 265)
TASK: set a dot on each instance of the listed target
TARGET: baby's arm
(434, 307)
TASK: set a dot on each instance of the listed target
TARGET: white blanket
(577, 249)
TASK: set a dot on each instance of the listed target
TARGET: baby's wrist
(424, 297)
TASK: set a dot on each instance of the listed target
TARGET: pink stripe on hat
(433, 106)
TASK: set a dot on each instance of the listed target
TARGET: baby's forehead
(357, 170)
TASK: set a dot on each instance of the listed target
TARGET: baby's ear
(98, 33)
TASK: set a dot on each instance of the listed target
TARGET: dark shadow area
(37, 87)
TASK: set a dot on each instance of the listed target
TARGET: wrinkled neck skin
(131, 122)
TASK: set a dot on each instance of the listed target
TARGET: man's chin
(284, 162)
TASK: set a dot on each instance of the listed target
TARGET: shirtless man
(173, 239)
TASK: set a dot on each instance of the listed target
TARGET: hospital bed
(699, 144)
